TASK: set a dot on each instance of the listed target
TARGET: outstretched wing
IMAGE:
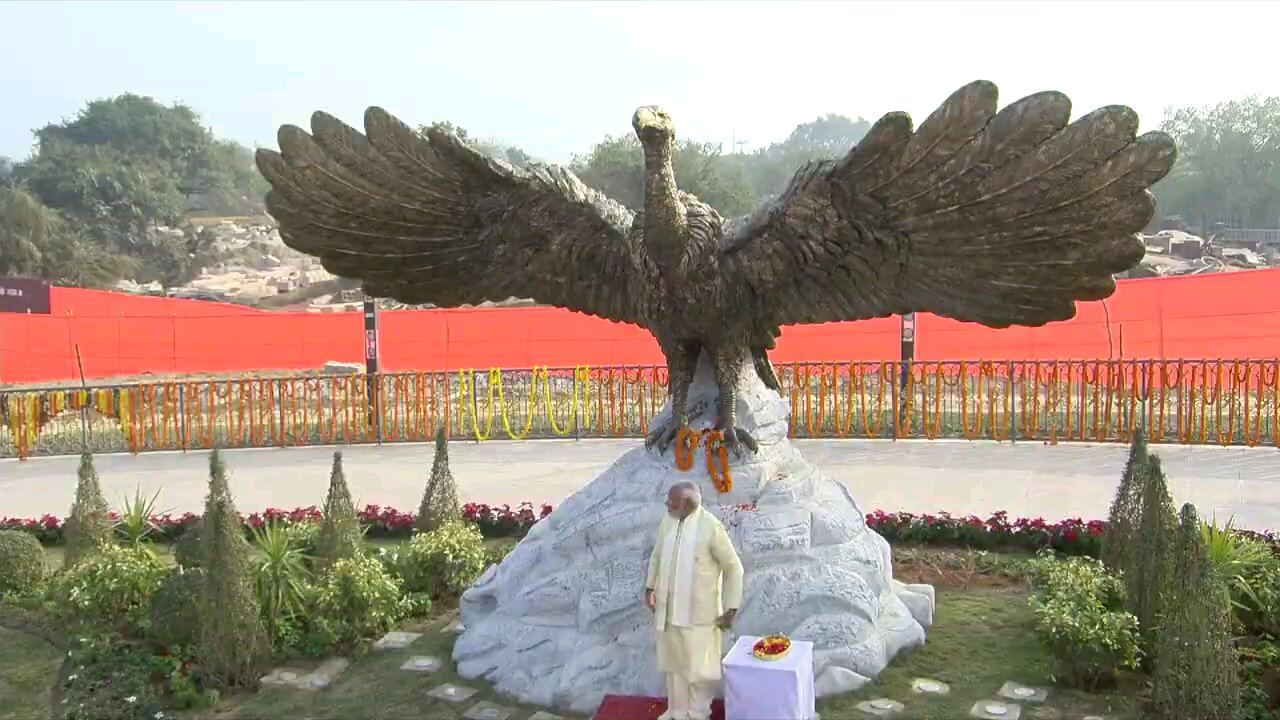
(428, 219)
(1002, 218)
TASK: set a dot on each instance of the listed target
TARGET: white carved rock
(561, 622)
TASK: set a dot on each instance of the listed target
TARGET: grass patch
(981, 638)
(30, 668)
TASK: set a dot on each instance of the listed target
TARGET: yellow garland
(502, 405)
(467, 382)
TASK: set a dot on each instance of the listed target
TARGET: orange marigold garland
(686, 443)
(717, 451)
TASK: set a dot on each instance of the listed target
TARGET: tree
(88, 524)
(126, 165)
(615, 167)
(233, 642)
(1228, 168)
(1150, 560)
(831, 136)
(440, 500)
(1122, 521)
(340, 536)
(1195, 667)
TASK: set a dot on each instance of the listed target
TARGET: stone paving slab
(452, 693)
(396, 640)
(487, 711)
(881, 707)
(928, 686)
(317, 679)
(422, 664)
(544, 715)
(1018, 692)
(1026, 478)
(995, 710)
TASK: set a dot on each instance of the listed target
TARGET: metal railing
(1206, 402)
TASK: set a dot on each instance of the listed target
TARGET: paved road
(920, 476)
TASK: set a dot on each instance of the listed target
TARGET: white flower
(158, 716)
(72, 677)
(131, 699)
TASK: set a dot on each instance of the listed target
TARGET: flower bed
(380, 521)
(1073, 536)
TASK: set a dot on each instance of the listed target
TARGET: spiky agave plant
(135, 524)
(1232, 560)
(281, 572)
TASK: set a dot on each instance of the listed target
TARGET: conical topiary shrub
(1195, 668)
(1123, 518)
(1150, 560)
(340, 536)
(89, 525)
(233, 645)
(440, 501)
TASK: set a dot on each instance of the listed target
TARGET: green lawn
(29, 668)
(981, 638)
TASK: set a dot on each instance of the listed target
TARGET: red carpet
(633, 707)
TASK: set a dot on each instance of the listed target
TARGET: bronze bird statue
(999, 218)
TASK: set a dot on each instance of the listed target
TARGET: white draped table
(769, 689)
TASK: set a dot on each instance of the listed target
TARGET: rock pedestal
(561, 622)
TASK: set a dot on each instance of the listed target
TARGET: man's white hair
(689, 490)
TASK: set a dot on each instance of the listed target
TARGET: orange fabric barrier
(1229, 315)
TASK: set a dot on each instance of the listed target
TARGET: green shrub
(1195, 673)
(174, 608)
(117, 680)
(88, 525)
(443, 562)
(233, 646)
(1233, 559)
(281, 580)
(1122, 521)
(21, 562)
(1260, 680)
(188, 550)
(358, 599)
(1149, 567)
(440, 500)
(303, 536)
(1259, 609)
(110, 589)
(1081, 621)
(340, 536)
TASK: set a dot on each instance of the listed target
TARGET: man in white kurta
(694, 590)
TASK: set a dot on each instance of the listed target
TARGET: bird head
(653, 125)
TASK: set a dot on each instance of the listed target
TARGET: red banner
(1226, 315)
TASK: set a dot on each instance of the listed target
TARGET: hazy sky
(553, 78)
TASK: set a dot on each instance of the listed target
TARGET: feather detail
(1003, 218)
(429, 219)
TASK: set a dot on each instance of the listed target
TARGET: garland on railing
(1198, 402)
(26, 414)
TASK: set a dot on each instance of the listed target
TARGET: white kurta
(685, 648)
